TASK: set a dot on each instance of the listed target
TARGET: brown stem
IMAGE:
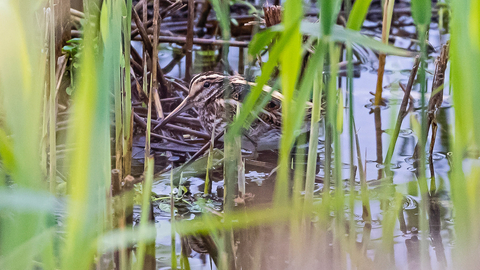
(403, 109)
(381, 71)
(378, 137)
(381, 58)
(437, 98)
(273, 15)
(203, 149)
(198, 134)
(189, 45)
(202, 21)
(241, 61)
(154, 56)
(149, 48)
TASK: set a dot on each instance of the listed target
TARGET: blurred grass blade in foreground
(22, 73)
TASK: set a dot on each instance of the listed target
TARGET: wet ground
(373, 129)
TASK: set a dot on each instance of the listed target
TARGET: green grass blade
(252, 98)
(358, 14)
(346, 35)
(260, 41)
(328, 15)
(465, 63)
(422, 12)
(290, 61)
(314, 125)
(22, 74)
(90, 159)
(147, 191)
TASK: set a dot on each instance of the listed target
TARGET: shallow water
(369, 125)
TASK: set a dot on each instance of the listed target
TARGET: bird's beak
(185, 105)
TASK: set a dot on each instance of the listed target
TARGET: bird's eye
(206, 84)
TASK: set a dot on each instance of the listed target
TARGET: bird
(216, 97)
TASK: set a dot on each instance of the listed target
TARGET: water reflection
(257, 248)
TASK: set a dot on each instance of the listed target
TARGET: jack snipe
(207, 94)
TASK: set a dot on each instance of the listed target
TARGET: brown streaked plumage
(207, 94)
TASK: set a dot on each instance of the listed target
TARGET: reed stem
(146, 193)
(52, 101)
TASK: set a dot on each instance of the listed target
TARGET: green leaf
(24, 200)
(261, 40)
(415, 125)
(104, 20)
(69, 49)
(328, 14)
(124, 8)
(222, 11)
(340, 112)
(256, 91)
(358, 14)
(125, 238)
(69, 90)
(343, 35)
(315, 63)
(474, 23)
(290, 58)
(421, 11)
(6, 151)
(27, 251)
(89, 162)
(75, 40)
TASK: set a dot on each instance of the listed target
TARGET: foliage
(29, 237)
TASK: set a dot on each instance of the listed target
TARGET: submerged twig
(204, 148)
(434, 104)
(174, 127)
(436, 98)
(402, 112)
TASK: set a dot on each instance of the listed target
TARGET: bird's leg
(254, 153)
(250, 139)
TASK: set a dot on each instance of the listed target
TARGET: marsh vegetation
(342, 136)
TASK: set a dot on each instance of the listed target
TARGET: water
(374, 133)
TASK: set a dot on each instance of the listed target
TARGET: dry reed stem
(154, 57)
(403, 107)
(436, 99)
(382, 56)
(149, 49)
(273, 15)
(189, 39)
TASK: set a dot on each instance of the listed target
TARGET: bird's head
(205, 87)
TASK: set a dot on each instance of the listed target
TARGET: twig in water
(203, 149)
(403, 111)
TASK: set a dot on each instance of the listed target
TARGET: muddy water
(373, 129)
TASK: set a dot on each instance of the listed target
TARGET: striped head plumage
(216, 97)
